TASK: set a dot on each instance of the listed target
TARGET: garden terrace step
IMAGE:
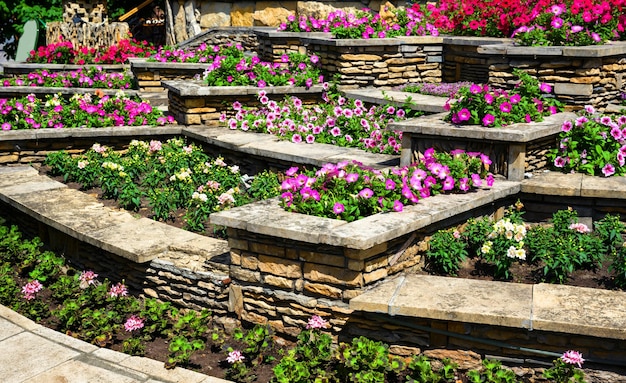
(117, 231)
(545, 307)
(40, 91)
(415, 101)
(11, 68)
(515, 149)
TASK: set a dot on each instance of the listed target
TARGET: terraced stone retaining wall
(193, 103)
(379, 62)
(592, 75)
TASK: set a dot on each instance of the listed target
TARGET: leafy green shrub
(446, 252)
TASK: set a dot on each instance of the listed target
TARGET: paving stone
(30, 355)
(77, 371)
(583, 311)
(18, 319)
(603, 187)
(464, 300)
(8, 329)
(110, 355)
(65, 340)
(156, 370)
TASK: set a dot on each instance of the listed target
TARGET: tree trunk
(193, 27)
(170, 37)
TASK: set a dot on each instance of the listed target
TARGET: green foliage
(446, 252)
(421, 371)
(475, 233)
(180, 350)
(366, 361)
(562, 372)
(170, 176)
(492, 372)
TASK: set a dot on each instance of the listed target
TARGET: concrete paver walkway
(31, 353)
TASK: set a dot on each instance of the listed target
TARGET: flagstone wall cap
(575, 185)
(330, 41)
(415, 101)
(546, 307)
(119, 131)
(9, 91)
(612, 48)
(474, 40)
(521, 132)
(274, 33)
(267, 217)
(190, 88)
(143, 63)
(29, 67)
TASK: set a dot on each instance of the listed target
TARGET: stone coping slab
(546, 307)
(19, 91)
(187, 88)
(612, 48)
(23, 68)
(268, 146)
(575, 185)
(274, 33)
(118, 131)
(434, 125)
(415, 101)
(113, 230)
(268, 218)
(143, 63)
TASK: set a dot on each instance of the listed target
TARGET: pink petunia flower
(573, 357)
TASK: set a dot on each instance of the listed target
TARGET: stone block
(272, 13)
(283, 283)
(321, 258)
(215, 14)
(242, 14)
(334, 275)
(566, 88)
(374, 276)
(263, 248)
(249, 262)
(279, 266)
(360, 57)
(324, 290)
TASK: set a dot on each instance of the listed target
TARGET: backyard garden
(371, 177)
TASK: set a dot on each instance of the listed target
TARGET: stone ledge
(415, 101)
(116, 231)
(191, 88)
(267, 217)
(558, 308)
(575, 185)
(24, 68)
(521, 132)
(21, 91)
(119, 131)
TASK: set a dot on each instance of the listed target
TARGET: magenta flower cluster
(592, 143)
(93, 77)
(350, 191)
(316, 322)
(203, 53)
(133, 323)
(90, 111)
(31, 288)
(573, 357)
(364, 24)
(482, 105)
(118, 290)
(341, 121)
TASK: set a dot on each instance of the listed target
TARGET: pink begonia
(579, 227)
(30, 289)
(118, 290)
(133, 323)
(573, 357)
(235, 357)
(87, 278)
(316, 322)
(155, 145)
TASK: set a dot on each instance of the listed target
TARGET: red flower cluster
(64, 52)
(501, 18)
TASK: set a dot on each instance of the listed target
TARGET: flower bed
(84, 110)
(592, 143)
(64, 52)
(41, 286)
(92, 77)
(515, 149)
(552, 253)
(228, 66)
(192, 102)
(168, 177)
(338, 121)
